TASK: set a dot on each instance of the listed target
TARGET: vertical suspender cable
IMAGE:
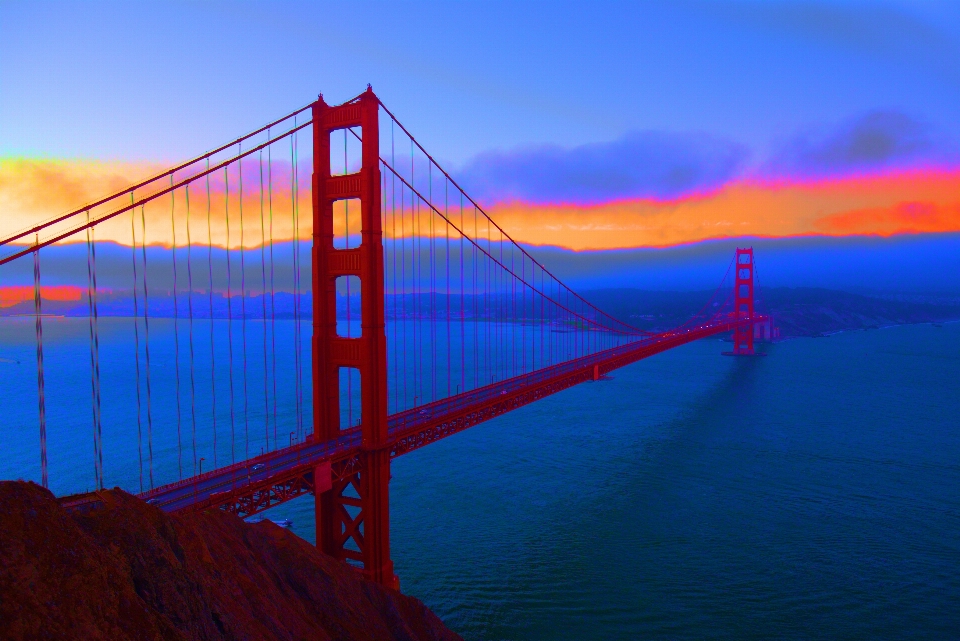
(213, 354)
(146, 340)
(94, 359)
(414, 281)
(385, 276)
(543, 321)
(520, 306)
(346, 245)
(498, 306)
(41, 397)
(446, 253)
(193, 387)
(420, 303)
(529, 314)
(513, 304)
(502, 307)
(243, 314)
(263, 314)
(96, 354)
(488, 329)
(463, 335)
(176, 325)
(393, 240)
(389, 276)
(487, 369)
(273, 291)
(523, 310)
(403, 285)
(433, 289)
(475, 295)
(136, 336)
(294, 189)
(226, 209)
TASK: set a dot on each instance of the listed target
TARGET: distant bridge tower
(743, 302)
(352, 508)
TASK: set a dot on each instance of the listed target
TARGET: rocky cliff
(126, 570)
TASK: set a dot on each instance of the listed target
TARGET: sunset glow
(883, 204)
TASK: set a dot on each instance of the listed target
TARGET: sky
(587, 126)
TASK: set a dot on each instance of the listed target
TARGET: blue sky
(161, 81)
(569, 105)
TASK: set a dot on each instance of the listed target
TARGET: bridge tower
(743, 302)
(352, 509)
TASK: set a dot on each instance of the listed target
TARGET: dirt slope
(126, 570)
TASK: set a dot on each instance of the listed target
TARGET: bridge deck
(273, 478)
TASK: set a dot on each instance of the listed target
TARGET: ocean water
(810, 493)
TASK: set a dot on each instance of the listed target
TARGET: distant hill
(798, 311)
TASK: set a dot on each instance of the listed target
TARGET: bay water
(810, 493)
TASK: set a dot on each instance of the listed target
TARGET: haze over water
(812, 492)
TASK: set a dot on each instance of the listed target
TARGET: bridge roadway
(267, 480)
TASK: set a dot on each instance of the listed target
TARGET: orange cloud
(883, 204)
(907, 202)
(37, 190)
(904, 218)
(32, 190)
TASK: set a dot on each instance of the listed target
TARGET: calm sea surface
(811, 493)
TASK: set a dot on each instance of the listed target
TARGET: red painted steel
(353, 516)
(743, 301)
(289, 472)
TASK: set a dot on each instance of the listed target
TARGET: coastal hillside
(797, 311)
(126, 570)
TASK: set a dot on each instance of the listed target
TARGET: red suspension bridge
(425, 319)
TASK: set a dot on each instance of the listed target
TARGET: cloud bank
(645, 164)
(886, 205)
(871, 142)
(882, 173)
(669, 166)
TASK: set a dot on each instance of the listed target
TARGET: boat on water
(259, 518)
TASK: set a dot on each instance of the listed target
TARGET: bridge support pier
(353, 509)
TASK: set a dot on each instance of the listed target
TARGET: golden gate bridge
(425, 318)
